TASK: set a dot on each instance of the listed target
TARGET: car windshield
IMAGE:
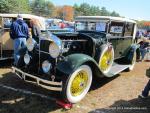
(91, 26)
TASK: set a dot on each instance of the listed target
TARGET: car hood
(51, 37)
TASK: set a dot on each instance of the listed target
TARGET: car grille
(44, 45)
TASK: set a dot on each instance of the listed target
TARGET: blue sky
(135, 9)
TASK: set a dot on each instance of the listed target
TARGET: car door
(127, 38)
(116, 34)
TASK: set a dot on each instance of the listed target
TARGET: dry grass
(113, 95)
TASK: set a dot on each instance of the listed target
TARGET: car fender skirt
(73, 61)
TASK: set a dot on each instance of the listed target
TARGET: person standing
(146, 90)
(138, 36)
(35, 29)
(19, 32)
(143, 48)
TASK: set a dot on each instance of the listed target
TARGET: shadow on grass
(136, 105)
(99, 82)
(18, 102)
(6, 63)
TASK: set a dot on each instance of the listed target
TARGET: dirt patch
(107, 95)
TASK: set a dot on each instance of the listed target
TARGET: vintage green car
(68, 62)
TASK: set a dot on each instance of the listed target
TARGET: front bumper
(50, 85)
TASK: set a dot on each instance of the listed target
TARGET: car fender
(131, 51)
(73, 61)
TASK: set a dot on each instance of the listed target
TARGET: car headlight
(54, 50)
(26, 58)
(30, 44)
(46, 66)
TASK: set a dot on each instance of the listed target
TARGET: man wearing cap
(19, 32)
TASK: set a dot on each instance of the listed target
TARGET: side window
(129, 29)
(91, 26)
(1, 30)
(101, 26)
(80, 26)
(116, 28)
(0, 23)
(7, 22)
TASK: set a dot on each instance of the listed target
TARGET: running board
(116, 68)
(6, 58)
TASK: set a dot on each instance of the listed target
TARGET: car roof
(97, 18)
(40, 19)
(15, 15)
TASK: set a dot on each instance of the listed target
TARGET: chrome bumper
(50, 85)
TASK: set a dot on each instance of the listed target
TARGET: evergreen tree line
(90, 10)
(48, 9)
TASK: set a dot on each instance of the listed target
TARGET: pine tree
(14, 6)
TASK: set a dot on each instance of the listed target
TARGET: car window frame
(89, 22)
(132, 32)
(117, 34)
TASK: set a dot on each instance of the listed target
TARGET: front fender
(134, 47)
(73, 61)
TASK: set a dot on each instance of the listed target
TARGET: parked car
(6, 43)
(68, 62)
(59, 26)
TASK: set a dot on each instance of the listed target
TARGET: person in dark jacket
(19, 32)
(35, 29)
(143, 48)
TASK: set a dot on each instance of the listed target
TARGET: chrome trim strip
(74, 40)
(44, 52)
(38, 80)
(5, 58)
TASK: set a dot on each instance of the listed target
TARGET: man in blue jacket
(19, 32)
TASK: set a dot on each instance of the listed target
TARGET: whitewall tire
(78, 84)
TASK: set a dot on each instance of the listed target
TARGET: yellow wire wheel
(106, 59)
(79, 84)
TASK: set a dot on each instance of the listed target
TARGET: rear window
(129, 29)
(7, 22)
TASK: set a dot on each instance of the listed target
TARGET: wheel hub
(79, 83)
(82, 84)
